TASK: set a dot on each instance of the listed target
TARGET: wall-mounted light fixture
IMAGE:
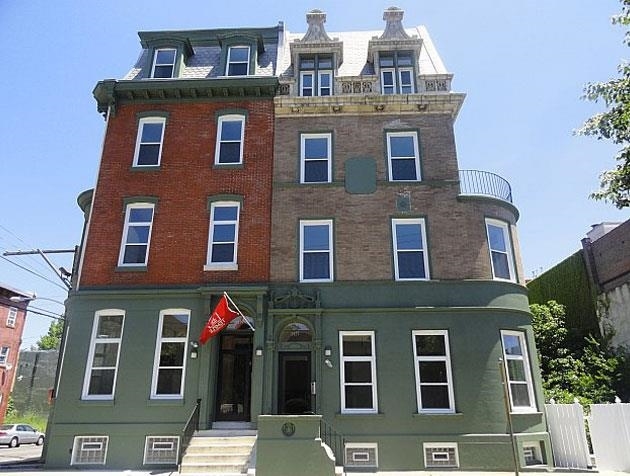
(259, 351)
(327, 351)
(328, 363)
(194, 349)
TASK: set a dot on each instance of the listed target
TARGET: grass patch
(36, 420)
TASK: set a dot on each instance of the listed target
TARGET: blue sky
(522, 65)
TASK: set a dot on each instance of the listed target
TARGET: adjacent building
(314, 178)
(13, 305)
(593, 284)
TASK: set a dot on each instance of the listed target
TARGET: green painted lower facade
(472, 312)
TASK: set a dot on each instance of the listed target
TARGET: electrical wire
(33, 272)
(34, 262)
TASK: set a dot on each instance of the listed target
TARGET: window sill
(96, 402)
(360, 415)
(443, 414)
(128, 268)
(220, 267)
(161, 402)
(526, 413)
(235, 165)
(144, 168)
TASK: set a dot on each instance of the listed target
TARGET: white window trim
(392, 85)
(158, 350)
(425, 251)
(229, 61)
(228, 266)
(527, 369)
(303, 225)
(357, 358)
(434, 358)
(94, 340)
(508, 244)
(310, 73)
(303, 159)
(4, 354)
(324, 72)
(414, 136)
(141, 123)
(12, 316)
(124, 243)
(172, 65)
(400, 81)
(217, 150)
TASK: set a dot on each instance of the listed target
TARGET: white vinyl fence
(568, 435)
(609, 426)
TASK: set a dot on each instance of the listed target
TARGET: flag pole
(239, 311)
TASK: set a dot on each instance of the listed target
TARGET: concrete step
(212, 468)
(237, 458)
(219, 449)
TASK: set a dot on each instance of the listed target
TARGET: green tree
(588, 370)
(614, 123)
(51, 340)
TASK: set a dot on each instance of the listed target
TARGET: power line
(33, 272)
(34, 262)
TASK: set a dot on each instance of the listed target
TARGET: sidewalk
(30, 470)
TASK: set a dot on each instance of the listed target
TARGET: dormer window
(237, 61)
(316, 75)
(164, 63)
(396, 72)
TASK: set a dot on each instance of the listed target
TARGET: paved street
(21, 454)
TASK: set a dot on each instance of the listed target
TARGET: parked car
(16, 434)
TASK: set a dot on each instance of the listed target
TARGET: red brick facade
(10, 338)
(183, 184)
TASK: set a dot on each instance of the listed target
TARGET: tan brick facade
(456, 232)
(182, 185)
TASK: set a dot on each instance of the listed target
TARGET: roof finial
(394, 28)
(316, 31)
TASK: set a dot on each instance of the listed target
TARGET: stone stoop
(219, 453)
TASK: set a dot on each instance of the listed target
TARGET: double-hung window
(134, 250)
(102, 367)
(170, 354)
(403, 157)
(316, 251)
(434, 383)
(230, 134)
(315, 158)
(358, 372)
(4, 355)
(149, 141)
(12, 317)
(316, 75)
(518, 372)
(410, 249)
(396, 72)
(223, 240)
(164, 63)
(500, 248)
(237, 61)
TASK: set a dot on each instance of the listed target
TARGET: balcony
(487, 184)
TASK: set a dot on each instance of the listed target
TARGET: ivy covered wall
(568, 283)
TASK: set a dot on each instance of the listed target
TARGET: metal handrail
(480, 182)
(189, 429)
(334, 440)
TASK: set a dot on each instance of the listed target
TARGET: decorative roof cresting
(394, 29)
(316, 32)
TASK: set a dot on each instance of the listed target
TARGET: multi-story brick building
(314, 178)
(13, 306)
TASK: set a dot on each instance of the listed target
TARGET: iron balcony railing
(479, 182)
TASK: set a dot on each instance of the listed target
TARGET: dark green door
(234, 382)
(294, 389)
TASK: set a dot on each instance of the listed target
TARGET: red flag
(219, 319)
